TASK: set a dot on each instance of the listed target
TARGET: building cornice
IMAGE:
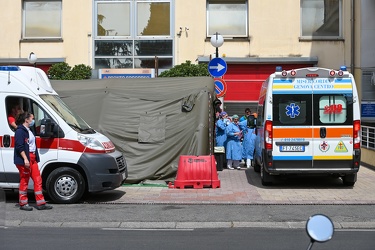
(264, 60)
(24, 61)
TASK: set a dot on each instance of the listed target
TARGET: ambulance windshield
(73, 120)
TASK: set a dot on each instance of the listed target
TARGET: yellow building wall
(274, 29)
(75, 45)
(10, 30)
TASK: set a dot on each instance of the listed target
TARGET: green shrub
(58, 71)
(186, 69)
(62, 71)
(79, 72)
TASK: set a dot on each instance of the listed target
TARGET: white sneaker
(229, 167)
(239, 168)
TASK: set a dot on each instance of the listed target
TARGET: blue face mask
(32, 123)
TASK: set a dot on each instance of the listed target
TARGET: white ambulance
(74, 158)
(308, 123)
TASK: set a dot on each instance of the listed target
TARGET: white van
(308, 123)
(74, 158)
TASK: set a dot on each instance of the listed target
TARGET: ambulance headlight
(90, 142)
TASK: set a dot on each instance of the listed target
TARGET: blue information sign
(368, 109)
(217, 67)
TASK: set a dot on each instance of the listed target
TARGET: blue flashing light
(9, 68)
(279, 68)
(343, 68)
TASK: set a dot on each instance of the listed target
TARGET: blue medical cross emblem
(292, 110)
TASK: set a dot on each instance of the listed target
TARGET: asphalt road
(188, 216)
(218, 239)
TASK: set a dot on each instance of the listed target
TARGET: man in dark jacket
(26, 158)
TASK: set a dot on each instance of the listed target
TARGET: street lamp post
(217, 40)
(32, 59)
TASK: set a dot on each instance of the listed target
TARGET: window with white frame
(131, 33)
(321, 19)
(227, 17)
(41, 19)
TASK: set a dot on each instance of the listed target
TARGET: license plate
(123, 176)
(292, 148)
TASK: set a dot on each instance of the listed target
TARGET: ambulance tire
(65, 185)
(256, 166)
(349, 179)
(265, 177)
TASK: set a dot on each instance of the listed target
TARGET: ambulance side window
(39, 114)
(260, 113)
(14, 106)
(334, 109)
(292, 110)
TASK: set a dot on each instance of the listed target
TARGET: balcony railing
(368, 137)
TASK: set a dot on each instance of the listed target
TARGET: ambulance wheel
(256, 166)
(265, 177)
(349, 179)
(65, 185)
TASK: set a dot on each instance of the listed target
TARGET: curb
(182, 225)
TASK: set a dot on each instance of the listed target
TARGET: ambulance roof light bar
(9, 68)
(292, 73)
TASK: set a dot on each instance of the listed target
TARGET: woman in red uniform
(26, 158)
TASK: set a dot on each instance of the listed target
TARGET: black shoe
(26, 207)
(44, 207)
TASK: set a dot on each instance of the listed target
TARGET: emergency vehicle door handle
(6, 141)
(323, 132)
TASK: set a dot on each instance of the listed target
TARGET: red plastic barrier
(197, 172)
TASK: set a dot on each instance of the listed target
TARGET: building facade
(258, 36)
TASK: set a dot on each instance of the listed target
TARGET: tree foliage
(186, 69)
(62, 71)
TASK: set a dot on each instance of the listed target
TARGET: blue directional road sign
(217, 67)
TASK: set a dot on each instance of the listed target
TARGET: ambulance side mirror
(46, 128)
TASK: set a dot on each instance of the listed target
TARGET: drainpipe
(352, 37)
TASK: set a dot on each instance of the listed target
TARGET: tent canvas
(152, 121)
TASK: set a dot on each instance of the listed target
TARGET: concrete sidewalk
(235, 205)
(244, 187)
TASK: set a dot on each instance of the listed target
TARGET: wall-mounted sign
(368, 110)
(126, 73)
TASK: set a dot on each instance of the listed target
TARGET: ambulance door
(333, 128)
(47, 147)
(5, 134)
(292, 130)
(9, 173)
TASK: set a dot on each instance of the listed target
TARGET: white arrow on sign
(219, 67)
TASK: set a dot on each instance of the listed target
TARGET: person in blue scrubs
(234, 148)
(220, 130)
(248, 143)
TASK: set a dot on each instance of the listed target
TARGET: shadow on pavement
(106, 196)
(2, 208)
(296, 182)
